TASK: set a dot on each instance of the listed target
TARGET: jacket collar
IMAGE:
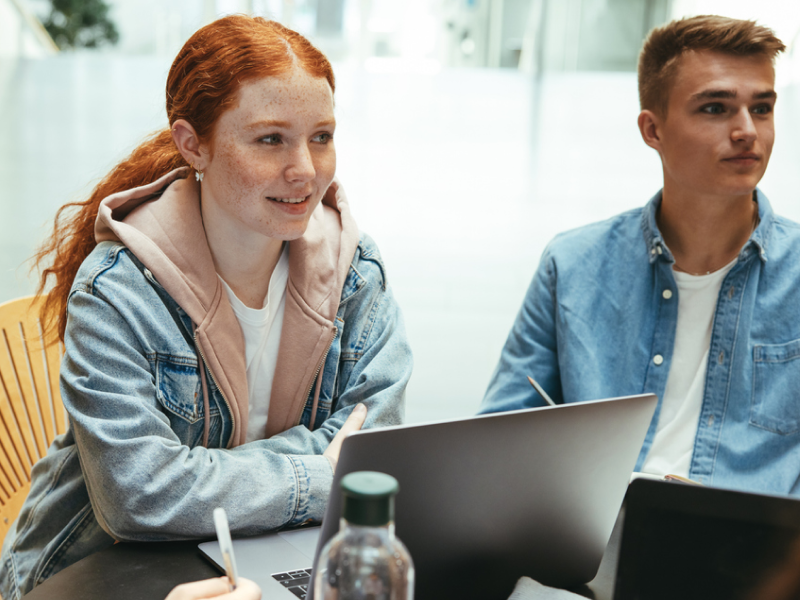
(162, 225)
(756, 244)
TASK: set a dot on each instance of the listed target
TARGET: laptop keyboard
(295, 581)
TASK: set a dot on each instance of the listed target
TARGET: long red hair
(203, 82)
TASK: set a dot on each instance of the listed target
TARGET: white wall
(21, 35)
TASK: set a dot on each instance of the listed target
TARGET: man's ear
(188, 144)
(650, 128)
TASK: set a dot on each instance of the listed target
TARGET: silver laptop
(483, 500)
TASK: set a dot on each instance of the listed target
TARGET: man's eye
(713, 109)
(762, 109)
(322, 138)
(272, 139)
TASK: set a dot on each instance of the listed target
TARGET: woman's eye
(273, 139)
(713, 109)
(322, 138)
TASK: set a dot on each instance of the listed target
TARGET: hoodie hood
(162, 225)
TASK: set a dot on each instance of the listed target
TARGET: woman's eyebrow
(266, 124)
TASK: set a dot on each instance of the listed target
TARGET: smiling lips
(289, 200)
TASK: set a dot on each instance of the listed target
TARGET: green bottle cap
(368, 498)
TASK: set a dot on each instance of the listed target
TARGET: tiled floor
(461, 177)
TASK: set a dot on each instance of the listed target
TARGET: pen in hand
(226, 546)
(541, 391)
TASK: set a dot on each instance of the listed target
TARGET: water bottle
(365, 561)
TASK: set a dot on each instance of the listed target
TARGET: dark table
(148, 571)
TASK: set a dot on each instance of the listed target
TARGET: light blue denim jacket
(132, 466)
(596, 316)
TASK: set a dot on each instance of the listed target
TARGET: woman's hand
(353, 423)
(216, 588)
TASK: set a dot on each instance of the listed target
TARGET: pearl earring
(198, 175)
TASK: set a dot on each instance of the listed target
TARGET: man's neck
(705, 233)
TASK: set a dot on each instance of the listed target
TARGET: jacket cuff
(314, 477)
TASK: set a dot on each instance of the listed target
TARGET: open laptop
(695, 542)
(483, 500)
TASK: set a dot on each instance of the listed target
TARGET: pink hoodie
(162, 225)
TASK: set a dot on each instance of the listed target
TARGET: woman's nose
(301, 166)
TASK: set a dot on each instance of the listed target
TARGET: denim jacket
(133, 467)
(599, 321)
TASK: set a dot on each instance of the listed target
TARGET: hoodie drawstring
(203, 384)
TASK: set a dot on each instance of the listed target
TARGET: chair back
(31, 412)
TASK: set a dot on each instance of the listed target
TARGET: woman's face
(271, 158)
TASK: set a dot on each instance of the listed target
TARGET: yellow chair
(31, 412)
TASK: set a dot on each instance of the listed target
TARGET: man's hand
(353, 423)
(216, 589)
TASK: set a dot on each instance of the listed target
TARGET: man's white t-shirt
(262, 337)
(673, 444)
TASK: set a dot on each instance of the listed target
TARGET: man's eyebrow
(769, 94)
(714, 94)
(730, 94)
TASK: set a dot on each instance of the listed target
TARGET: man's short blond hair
(664, 46)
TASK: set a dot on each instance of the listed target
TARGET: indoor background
(469, 133)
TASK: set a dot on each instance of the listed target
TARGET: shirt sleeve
(531, 349)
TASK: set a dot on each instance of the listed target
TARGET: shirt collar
(758, 242)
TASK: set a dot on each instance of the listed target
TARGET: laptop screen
(684, 541)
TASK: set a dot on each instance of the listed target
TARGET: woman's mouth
(288, 200)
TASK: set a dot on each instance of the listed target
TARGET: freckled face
(271, 157)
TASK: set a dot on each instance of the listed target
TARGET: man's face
(717, 135)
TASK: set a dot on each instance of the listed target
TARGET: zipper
(319, 368)
(214, 379)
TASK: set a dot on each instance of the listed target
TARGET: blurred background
(469, 133)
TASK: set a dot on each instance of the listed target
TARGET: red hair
(203, 83)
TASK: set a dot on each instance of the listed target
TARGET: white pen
(226, 546)
(542, 393)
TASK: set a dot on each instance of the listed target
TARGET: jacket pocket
(179, 391)
(775, 404)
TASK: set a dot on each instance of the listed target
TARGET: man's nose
(743, 128)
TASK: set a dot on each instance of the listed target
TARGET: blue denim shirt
(133, 458)
(597, 322)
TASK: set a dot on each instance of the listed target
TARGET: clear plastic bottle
(365, 561)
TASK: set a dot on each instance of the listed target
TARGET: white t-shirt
(671, 452)
(262, 337)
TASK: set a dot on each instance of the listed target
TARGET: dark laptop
(695, 542)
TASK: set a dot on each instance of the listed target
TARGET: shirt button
(658, 249)
(667, 294)
(658, 359)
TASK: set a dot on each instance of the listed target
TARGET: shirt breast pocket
(179, 393)
(775, 404)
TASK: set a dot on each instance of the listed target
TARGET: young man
(696, 296)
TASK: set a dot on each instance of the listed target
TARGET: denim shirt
(599, 321)
(133, 458)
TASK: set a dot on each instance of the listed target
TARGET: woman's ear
(188, 144)
(649, 125)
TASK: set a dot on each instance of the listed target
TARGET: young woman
(221, 317)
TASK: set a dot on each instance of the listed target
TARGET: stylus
(226, 546)
(542, 393)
